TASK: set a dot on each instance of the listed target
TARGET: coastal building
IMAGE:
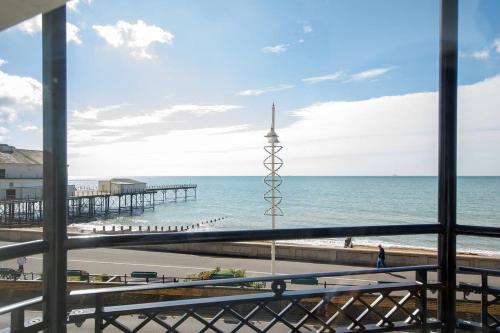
(21, 173)
(121, 186)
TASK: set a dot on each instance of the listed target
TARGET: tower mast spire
(273, 196)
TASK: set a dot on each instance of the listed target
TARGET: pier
(88, 203)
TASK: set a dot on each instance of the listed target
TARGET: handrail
(23, 249)
(82, 242)
(219, 300)
(283, 277)
(474, 270)
(472, 230)
(20, 305)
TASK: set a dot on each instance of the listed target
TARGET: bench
(308, 281)
(80, 274)
(9, 273)
(144, 275)
(217, 276)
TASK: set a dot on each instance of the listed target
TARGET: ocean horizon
(325, 201)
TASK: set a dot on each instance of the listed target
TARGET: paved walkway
(119, 261)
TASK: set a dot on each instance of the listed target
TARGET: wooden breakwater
(89, 204)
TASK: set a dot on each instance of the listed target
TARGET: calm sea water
(329, 202)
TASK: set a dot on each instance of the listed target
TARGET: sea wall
(329, 255)
(358, 256)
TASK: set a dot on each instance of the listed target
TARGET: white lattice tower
(273, 180)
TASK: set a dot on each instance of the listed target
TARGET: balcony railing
(373, 308)
(489, 299)
(377, 307)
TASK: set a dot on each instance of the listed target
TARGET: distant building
(121, 185)
(21, 173)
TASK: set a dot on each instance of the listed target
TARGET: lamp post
(273, 180)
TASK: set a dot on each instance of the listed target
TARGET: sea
(324, 202)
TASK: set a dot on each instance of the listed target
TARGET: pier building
(121, 185)
(21, 174)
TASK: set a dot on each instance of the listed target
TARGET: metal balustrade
(372, 308)
(489, 319)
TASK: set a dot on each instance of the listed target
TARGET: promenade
(120, 261)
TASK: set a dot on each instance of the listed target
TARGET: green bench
(9, 273)
(309, 281)
(80, 274)
(217, 276)
(144, 275)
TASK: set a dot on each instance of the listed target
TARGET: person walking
(21, 261)
(381, 257)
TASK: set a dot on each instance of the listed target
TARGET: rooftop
(11, 155)
(125, 181)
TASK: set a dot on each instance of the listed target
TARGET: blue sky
(195, 80)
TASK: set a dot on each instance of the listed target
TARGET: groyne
(357, 256)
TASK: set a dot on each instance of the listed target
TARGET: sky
(186, 87)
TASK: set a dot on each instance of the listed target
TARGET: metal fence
(489, 299)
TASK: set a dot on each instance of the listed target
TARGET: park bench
(9, 273)
(217, 276)
(80, 274)
(308, 281)
(144, 275)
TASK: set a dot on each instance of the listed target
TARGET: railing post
(484, 302)
(98, 313)
(55, 177)
(421, 277)
(17, 320)
(448, 161)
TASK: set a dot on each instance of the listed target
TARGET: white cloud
(328, 77)
(34, 26)
(161, 115)
(481, 55)
(136, 37)
(3, 133)
(2, 62)
(280, 48)
(72, 34)
(265, 90)
(92, 112)
(31, 26)
(18, 93)
(301, 40)
(27, 128)
(306, 28)
(83, 137)
(74, 4)
(341, 76)
(370, 74)
(379, 136)
(496, 45)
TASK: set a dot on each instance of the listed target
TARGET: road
(119, 261)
